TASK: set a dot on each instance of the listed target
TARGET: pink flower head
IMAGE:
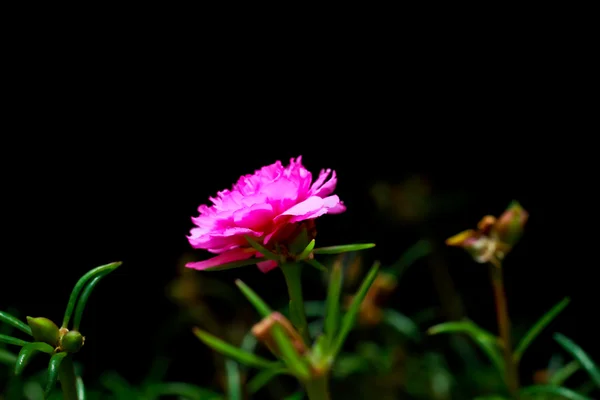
(268, 205)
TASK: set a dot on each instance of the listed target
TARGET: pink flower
(269, 205)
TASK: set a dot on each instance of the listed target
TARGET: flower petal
(266, 266)
(238, 254)
(254, 217)
(320, 189)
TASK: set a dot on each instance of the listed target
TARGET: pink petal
(238, 254)
(221, 238)
(254, 217)
(310, 208)
(334, 205)
(322, 190)
(266, 266)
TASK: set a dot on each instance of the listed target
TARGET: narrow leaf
(314, 263)
(560, 376)
(401, 323)
(53, 367)
(307, 250)
(581, 356)
(234, 381)
(236, 264)
(561, 392)
(333, 302)
(288, 352)
(269, 255)
(28, 351)
(80, 285)
(7, 358)
(15, 322)
(486, 341)
(538, 327)
(345, 248)
(417, 251)
(263, 309)
(82, 301)
(80, 388)
(349, 318)
(233, 352)
(185, 390)
(12, 340)
(263, 377)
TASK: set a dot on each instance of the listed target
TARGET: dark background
(112, 165)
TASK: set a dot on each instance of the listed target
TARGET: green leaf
(486, 341)
(295, 396)
(263, 309)
(15, 322)
(350, 316)
(103, 269)
(28, 351)
(7, 358)
(118, 386)
(307, 250)
(12, 340)
(314, 263)
(80, 388)
(295, 363)
(233, 352)
(401, 323)
(53, 367)
(234, 381)
(417, 251)
(564, 373)
(268, 254)
(85, 295)
(185, 390)
(332, 317)
(538, 327)
(345, 248)
(580, 355)
(259, 380)
(561, 392)
(236, 264)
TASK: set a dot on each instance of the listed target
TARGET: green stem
(292, 272)
(318, 388)
(512, 376)
(68, 382)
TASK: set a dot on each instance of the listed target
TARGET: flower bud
(44, 330)
(511, 223)
(263, 331)
(71, 342)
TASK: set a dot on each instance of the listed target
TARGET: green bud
(44, 330)
(71, 342)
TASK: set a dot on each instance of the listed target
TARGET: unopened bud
(44, 330)
(71, 341)
(511, 223)
(263, 331)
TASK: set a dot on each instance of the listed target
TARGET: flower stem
(291, 272)
(318, 388)
(512, 377)
(68, 382)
